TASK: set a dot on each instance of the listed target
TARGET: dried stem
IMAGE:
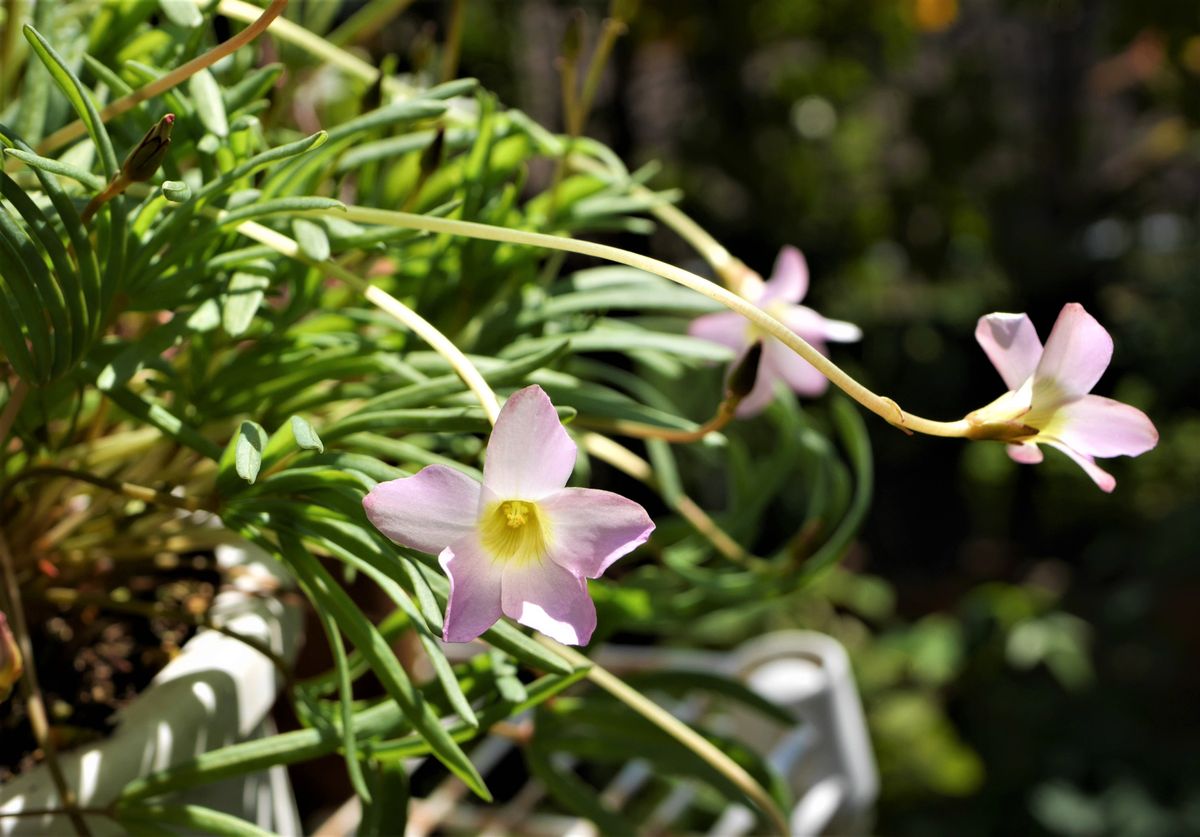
(128, 489)
(35, 704)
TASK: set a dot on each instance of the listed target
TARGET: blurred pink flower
(777, 296)
(519, 544)
(1049, 392)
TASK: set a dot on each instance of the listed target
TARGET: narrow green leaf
(312, 239)
(505, 372)
(854, 437)
(346, 705)
(261, 208)
(62, 292)
(58, 167)
(388, 812)
(176, 191)
(18, 276)
(241, 302)
(78, 96)
(327, 593)
(306, 436)
(605, 338)
(162, 418)
(259, 754)
(182, 12)
(194, 818)
(85, 256)
(247, 457)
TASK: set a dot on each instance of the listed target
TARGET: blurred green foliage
(938, 160)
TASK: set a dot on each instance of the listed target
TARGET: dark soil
(93, 656)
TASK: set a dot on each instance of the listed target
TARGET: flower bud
(572, 42)
(11, 663)
(741, 381)
(431, 157)
(144, 160)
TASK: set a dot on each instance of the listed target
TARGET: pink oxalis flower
(1048, 402)
(779, 297)
(520, 544)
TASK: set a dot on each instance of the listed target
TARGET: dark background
(936, 162)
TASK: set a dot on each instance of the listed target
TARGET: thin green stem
(882, 406)
(610, 32)
(453, 39)
(678, 730)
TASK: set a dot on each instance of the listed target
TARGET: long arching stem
(882, 406)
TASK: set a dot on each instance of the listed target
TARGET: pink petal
(1077, 353)
(1099, 426)
(475, 585)
(1011, 344)
(589, 529)
(1102, 478)
(427, 511)
(840, 331)
(550, 599)
(800, 375)
(763, 391)
(1026, 454)
(529, 454)
(815, 328)
(789, 279)
(727, 328)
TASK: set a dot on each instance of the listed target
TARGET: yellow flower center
(754, 332)
(514, 530)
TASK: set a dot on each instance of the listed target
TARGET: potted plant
(354, 319)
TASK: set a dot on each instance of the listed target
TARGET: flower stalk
(884, 407)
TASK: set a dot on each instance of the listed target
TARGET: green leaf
(194, 818)
(327, 593)
(606, 338)
(386, 812)
(85, 256)
(493, 371)
(78, 96)
(312, 239)
(247, 457)
(259, 754)
(346, 705)
(58, 167)
(176, 191)
(306, 436)
(858, 446)
(182, 12)
(241, 302)
(261, 208)
(62, 291)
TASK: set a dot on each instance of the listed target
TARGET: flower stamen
(514, 530)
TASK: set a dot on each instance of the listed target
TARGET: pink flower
(519, 544)
(778, 296)
(1048, 401)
